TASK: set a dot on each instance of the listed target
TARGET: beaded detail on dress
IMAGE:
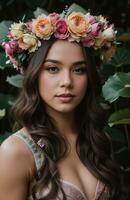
(35, 149)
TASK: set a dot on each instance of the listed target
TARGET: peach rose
(77, 25)
(29, 42)
(42, 27)
(17, 30)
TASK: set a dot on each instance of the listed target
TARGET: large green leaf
(5, 99)
(121, 57)
(15, 80)
(3, 64)
(116, 86)
(116, 134)
(40, 11)
(75, 8)
(124, 37)
(122, 150)
(120, 117)
(4, 28)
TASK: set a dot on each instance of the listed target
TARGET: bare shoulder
(15, 169)
(15, 153)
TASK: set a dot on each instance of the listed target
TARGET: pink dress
(72, 191)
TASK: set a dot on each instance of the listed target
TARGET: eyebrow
(59, 62)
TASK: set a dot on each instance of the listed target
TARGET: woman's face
(63, 77)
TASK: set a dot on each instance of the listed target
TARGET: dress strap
(35, 149)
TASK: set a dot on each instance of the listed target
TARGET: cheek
(82, 85)
(46, 86)
(43, 85)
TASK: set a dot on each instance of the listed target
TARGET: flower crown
(25, 37)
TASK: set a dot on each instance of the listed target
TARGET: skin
(59, 75)
(67, 73)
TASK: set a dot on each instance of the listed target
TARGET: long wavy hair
(93, 145)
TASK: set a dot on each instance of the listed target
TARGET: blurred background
(113, 67)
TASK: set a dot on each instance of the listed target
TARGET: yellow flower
(77, 25)
(29, 42)
(17, 30)
(99, 42)
(42, 27)
(103, 21)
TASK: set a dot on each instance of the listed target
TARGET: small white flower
(109, 33)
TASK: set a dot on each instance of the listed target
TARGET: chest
(73, 171)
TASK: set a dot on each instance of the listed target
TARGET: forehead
(63, 50)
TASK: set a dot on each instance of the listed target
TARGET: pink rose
(88, 41)
(61, 31)
(29, 26)
(95, 29)
(92, 19)
(54, 17)
(10, 47)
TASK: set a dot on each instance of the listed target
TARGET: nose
(66, 80)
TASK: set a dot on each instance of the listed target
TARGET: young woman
(61, 150)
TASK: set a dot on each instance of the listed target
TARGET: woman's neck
(65, 122)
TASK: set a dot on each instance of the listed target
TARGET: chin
(65, 109)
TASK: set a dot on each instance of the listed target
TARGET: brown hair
(95, 149)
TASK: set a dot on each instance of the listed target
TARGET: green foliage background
(114, 69)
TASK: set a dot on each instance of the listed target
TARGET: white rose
(109, 33)
(30, 42)
(17, 30)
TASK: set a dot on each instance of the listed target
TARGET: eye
(80, 70)
(52, 69)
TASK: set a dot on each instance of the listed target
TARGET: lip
(65, 98)
(65, 95)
